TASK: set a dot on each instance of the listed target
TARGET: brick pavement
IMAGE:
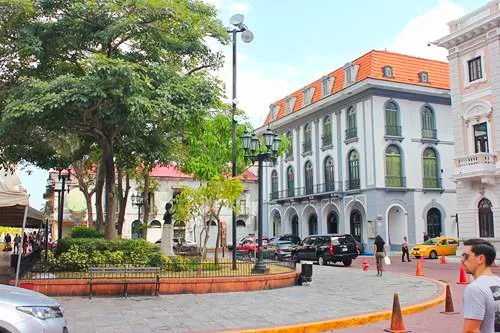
(336, 292)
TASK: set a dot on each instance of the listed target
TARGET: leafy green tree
(108, 70)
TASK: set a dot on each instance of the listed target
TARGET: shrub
(84, 232)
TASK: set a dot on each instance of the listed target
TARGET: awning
(12, 216)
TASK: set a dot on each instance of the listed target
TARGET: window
(350, 73)
(290, 182)
(274, 185)
(428, 123)
(275, 108)
(308, 94)
(392, 119)
(353, 182)
(481, 138)
(307, 144)
(289, 104)
(393, 176)
(486, 225)
(329, 178)
(423, 77)
(313, 225)
(155, 224)
(332, 223)
(431, 169)
(243, 207)
(326, 137)
(351, 131)
(387, 71)
(289, 151)
(475, 70)
(327, 85)
(308, 170)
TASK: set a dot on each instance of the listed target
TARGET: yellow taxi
(436, 247)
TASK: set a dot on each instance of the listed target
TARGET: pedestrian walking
(481, 297)
(8, 240)
(17, 241)
(25, 244)
(379, 250)
(404, 248)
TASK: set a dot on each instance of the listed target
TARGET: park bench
(125, 276)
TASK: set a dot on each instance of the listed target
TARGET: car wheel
(321, 261)
(347, 262)
(433, 255)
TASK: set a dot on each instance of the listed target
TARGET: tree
(207, 202)
(107, 70)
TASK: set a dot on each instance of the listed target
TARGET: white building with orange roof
(474, 57)
(372, 145)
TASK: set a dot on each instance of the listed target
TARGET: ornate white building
(474, 59)
(371, 153)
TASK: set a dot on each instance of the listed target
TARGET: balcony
(351, 133)
(432, 183)
(475, 165)
(428, 133)
(300, 193)
(395, 182)
(306, 147)
(326, 139)
(352, 184)
(392, 130)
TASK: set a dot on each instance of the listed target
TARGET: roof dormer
(327, 85)
(350, 73)
(423, 77)
(308, 94)
(387, 71)
(289, 104)
(274, 108)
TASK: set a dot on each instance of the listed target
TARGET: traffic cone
(365, 265)
(448, 305)
(443, 260)
(420, 271)
(422, 257)
(463, 276)
(397, 325)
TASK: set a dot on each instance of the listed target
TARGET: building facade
(170, 181)
(370, 153)
(474, 60)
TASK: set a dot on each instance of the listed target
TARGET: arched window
(332, 223)
(392, 119)
(393, 171)
(308, 170)
(326, 137)
(486, 225)
(428, 123)
(307, 144)
(274, 185)
(313, 224)
(289, 151)
(351, 131)
(329, 177)
(354, 182)
(431, 171)
(290, 182)
(137, 229)
(434, 223)
(155, 224)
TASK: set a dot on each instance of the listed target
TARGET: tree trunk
(90, 213)
(216, 254)
(99, 186)
(82, 176)
(145, 196)
(109, 169)
(123, 196)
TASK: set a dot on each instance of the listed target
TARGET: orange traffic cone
(463, 276)
(448, 305)
(422, 257)
(397, 325)
(443, 260)
(420, 271)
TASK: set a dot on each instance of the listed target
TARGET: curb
(350, 321)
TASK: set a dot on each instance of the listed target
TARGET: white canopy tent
(14, 207)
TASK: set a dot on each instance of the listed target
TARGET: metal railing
(430, 182)
(307, 146)
(326, 139)
(395, 181)
(317, 189)
(352, 184)
(351, 133)
(393, 130)
(429, 133)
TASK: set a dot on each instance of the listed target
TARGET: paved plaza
(336, 292)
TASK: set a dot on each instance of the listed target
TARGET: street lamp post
(138, 200)
(247, 36)
(269, 153)
(64, 177)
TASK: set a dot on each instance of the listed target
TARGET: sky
(296, 42)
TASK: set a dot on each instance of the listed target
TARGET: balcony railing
(395, 181)
(475, 164)
(326, 139)
(317, 189)
(429, 133)
(351, 133)
(352, 184)
(393, 130)
(275, 195)
(306, 147)
(430, 182)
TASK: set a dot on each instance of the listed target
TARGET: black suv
(326, 249)
(290, 238)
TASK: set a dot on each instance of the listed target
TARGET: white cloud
(239, 8)
(428, 27)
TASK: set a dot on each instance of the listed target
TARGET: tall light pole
(269, 153)
(64, 177)
(138, 200)
(246, 36)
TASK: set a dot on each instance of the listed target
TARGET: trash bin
(306, 272)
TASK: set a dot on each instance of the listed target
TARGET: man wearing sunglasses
(481, 297)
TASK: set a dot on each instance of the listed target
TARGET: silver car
(26, 311)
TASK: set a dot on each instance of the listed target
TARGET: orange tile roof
(405, 69)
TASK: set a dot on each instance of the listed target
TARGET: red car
(250, 246)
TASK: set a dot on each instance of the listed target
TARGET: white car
(26, 311)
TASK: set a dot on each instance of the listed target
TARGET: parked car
(325, 249)
(281, 250)
(290, 238)
(23, 310)
(434, 247)
(250, 246)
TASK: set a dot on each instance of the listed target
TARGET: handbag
(387, 260)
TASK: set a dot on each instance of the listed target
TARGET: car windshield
(284, 244)
(430, 242)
